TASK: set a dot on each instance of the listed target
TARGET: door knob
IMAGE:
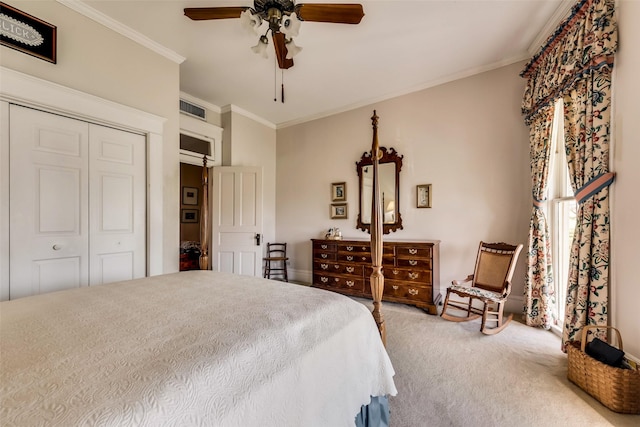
(57, 247)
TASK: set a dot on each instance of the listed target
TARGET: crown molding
(99, 17)
(561, 13)
(247, 114)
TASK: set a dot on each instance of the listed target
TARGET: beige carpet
(450, 374)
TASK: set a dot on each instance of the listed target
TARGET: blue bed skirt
(375, 414)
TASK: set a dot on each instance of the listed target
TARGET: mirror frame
(387, 156)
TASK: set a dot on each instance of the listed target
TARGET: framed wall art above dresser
(410, 268)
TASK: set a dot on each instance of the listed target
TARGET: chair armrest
(507, 290)
(460, 282)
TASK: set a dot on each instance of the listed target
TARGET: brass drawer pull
(350, 283)
(413, 291)
(413, 251)
(413, 262)
(349, 248)
(324, 266)
(324, 279)
(413, 276)
(335, 279)
(349, 258)
(396, 287)
(350, 269)
(324, 256)
(323, 246)
(336, 266)
(395, 272)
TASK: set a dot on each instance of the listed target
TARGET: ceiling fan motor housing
(263, 7)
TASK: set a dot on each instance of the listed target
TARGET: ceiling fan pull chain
(275, 79)
(282, 85)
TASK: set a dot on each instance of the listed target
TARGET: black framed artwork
(28, 34)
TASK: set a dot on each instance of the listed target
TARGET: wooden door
(48, 202)
(237, 220)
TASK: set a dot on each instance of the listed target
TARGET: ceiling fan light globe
(250, 21)
(292, 49)
(290, 26)
(261, 47)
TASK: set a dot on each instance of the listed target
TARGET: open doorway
(190, 216)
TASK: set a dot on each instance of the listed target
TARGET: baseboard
(303, 277)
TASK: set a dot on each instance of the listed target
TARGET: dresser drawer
(350, 247)
(324, 256)
(337, 268)
(324, 246)
(423, 277)
(354, 257)
(350, 284)
(413, 251)
(354, 247)
(405, 291)
(416, 263)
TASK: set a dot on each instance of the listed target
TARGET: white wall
(625, 227)
(466, 138)
(251, 141)
(96, 60)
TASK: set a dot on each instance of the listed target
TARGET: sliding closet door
(77, 203)
(117, 205)
(48, 202)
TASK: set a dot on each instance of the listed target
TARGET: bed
(199, 348)
(190, 348)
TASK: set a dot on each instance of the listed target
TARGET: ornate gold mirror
(389, 175)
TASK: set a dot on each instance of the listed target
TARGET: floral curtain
(539, 293)
(587, 118)
(576, 64)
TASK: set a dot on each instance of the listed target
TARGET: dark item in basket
(604, 352)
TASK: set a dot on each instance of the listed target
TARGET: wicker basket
(616, 388)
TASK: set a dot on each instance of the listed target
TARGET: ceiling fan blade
(281, 51)
(329, 12)
(204, 13)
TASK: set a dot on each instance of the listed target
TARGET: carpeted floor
(450, 374)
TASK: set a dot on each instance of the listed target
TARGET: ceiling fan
(282, 18)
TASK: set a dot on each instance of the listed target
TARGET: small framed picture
(339, 211)
(189, 196)
(339, 192)
(189, 215)
(423, 196)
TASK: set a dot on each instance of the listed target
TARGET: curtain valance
(585, 41)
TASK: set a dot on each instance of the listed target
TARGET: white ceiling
(399, 47)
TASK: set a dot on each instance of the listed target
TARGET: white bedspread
(191, 348)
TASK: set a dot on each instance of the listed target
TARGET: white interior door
(117, 205)
(237, 220)
(77, 204)
(48, 205)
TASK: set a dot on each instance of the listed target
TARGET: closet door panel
(117, 205)
(48, 205)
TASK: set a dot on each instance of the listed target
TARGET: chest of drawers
(410, 268)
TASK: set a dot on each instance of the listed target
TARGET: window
(561, 213)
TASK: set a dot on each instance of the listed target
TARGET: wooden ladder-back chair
(490, 285)
(275, 263)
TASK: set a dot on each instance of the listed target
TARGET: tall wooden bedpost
(377, 278)
(204, 218)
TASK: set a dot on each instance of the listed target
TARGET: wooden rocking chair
(490, 284)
